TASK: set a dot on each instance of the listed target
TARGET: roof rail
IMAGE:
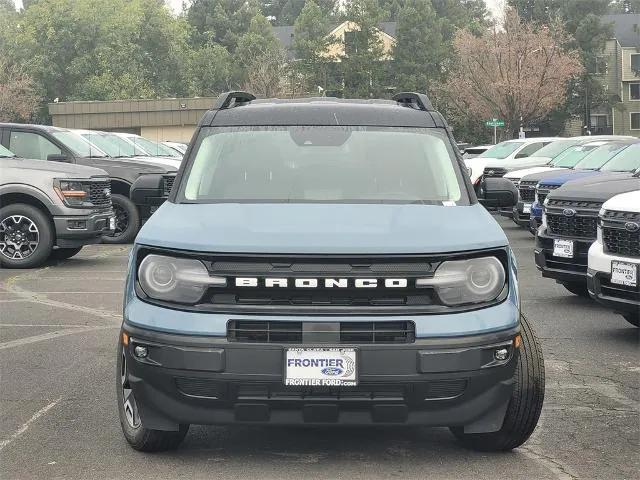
(232, 99)
(418, 101)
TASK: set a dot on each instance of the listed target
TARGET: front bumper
(209, 380)
(78, 230)
(519, 215)
(619, 298)
(564, 270)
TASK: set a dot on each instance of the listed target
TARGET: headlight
(181, 280)
(72, 192)
(459, 282)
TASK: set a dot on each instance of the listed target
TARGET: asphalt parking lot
(58, 415)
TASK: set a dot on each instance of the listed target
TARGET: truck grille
(543, 191)
(251, 331)
(527, 191)
(493, 172)
(615, 235)
(100, 193)
(583, 224)
(167, 184)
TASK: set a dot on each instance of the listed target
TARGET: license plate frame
(526, 208)
(624, 273)
(330, 373)
(563, 248)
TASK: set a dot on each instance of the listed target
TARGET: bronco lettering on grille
(322, 282)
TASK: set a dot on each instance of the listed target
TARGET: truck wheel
(64, 253)
(525, 404)
(632, 318)
(579, 289)
(139, 437)
(127, 220)
(26, 236)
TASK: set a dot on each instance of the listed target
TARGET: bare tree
(18, 97)
(517, 72)
(268, 74)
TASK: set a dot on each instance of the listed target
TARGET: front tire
(526, 401)
(632, 318)
(127, 221)
(140, 438)
(26, 236)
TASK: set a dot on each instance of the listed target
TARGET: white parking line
(25, 426)
(49, 336)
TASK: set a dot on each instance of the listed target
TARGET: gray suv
(50, 209)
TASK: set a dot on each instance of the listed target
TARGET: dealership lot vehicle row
(586, 428)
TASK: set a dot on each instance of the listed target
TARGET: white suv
(614, 258)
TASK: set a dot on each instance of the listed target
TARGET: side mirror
(498, 192)
(151, 186)
(58, 157)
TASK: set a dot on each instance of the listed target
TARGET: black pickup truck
(43, 142)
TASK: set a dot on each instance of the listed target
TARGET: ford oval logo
(568, 212)
(632, 226)
(333, 371)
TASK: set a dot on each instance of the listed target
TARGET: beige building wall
(336, 50)
(181, 133)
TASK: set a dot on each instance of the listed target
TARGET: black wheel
(26, 236)
(579, 289)
(632, 318)
(64, 253)
(127, 221)
(139, 437)
(526, 401)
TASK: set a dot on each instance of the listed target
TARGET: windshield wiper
(7, 156)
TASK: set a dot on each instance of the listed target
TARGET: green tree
(625, 6)
(221, 21)
(310, 43)
(420, 50)
(209, 71)
(285, 12)
(363, 63)
(258, 42)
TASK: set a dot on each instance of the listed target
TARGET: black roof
(323, 111)
(626, 28)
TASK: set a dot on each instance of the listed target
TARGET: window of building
(635, 121)
(601, 66)
(32, 145)
(634, 91)
(599, 120)
(635, 62)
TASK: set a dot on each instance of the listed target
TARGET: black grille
(543, 191)
(100, 193)
(575, 226)
(527, 193)
(406, 392)
(574, 204)
(167, 184)
(617, 237)
(250, 331)
(493, 172)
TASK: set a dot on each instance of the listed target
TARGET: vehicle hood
(626, 202)
(132, 165)
(599, 188)
(58, 169)
(321, 228)
(549, 173)
(518, 174)
(476, 166)
(569, 176)
(518, 163)
(166, 161)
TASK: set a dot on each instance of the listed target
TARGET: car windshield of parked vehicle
(108, 145)
(571, 157)
(628, 160)
(501, 150)
(6, 153)
(78, 145)
(599, 156)
(154, 148)
(325, 165)
(555, 148)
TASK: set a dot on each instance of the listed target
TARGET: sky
(176, 5)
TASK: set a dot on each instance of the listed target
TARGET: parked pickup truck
(569, 227)
(50, 209)
(614, 258)
(61, 145)
(334, 268)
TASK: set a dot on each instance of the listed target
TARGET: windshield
(570, 158)
(599, 156)
(323, 164)
(555, 148)
(502, 150)
(154, 148)
(626, 160)
(78, 145)
(107, 145)
(4, 152)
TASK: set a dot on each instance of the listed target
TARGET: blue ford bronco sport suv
(326, 262)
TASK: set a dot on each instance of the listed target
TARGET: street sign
(494, 123)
